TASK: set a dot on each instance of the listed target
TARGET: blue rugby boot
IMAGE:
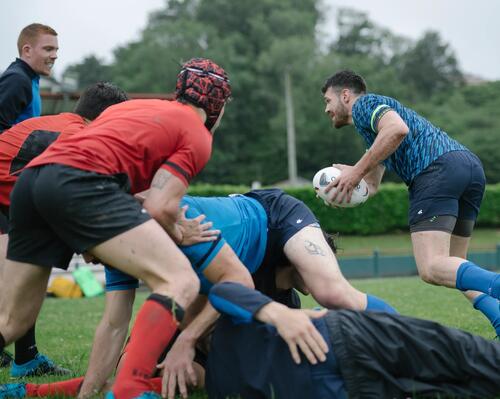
(144, 395)
(40, 365)
(13, 391)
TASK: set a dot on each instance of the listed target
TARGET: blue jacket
(19, 94)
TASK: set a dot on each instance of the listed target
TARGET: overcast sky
(97, 26)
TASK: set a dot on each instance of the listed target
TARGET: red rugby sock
(153, 329)
(68, 388)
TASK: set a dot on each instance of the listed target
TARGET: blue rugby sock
(490, 308)
(376, 304)
(473, 277)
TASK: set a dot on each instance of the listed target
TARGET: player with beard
(445, 182)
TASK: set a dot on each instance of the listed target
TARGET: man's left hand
(178, 369)
(345, 184)
(194, 230)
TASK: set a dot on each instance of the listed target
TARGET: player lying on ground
(78, 197)
(370, 354)
(260, 233)
(18, 146)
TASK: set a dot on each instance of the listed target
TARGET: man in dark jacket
(371, 354)
(19, 84)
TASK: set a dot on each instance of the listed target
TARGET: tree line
(257, 41)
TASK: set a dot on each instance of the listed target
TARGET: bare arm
(162, 202)
(316, 263)
(178, 365)
(108, 341)
(391, 132)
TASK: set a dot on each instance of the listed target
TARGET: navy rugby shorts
(57, 210)
(452, 185)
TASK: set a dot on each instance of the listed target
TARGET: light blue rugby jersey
(422, 146)
(243, 225)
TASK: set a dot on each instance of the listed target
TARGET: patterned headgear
(204, 84)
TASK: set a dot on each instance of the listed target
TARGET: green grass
(66, 326)
(400, 243)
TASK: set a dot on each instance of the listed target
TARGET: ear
(26, 50)
(345, 95)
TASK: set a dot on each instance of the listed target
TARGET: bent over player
(76, 197)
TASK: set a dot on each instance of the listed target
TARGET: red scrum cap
(204, 84)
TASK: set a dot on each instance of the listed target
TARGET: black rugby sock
(26, 349)
(2, 342)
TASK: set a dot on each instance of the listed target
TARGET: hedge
(385, 212)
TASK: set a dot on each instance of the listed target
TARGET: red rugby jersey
(136, 138)
(28, 139)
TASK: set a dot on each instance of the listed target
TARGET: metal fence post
(376, 254)
(498, 256)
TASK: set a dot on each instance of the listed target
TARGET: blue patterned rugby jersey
(423, 144)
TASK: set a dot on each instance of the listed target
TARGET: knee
(429, 270)
(187, 285)
(13, 329)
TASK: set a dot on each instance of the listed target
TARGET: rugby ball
(326, 175)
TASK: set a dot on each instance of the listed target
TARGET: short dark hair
(97, 98)
(330, 239)
(345, 79)
(30, 33)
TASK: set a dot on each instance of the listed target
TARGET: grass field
(66, 326)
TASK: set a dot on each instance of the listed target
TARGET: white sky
(97, 26)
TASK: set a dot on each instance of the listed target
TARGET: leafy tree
(429, 66)
(89, 71)
(257, 41)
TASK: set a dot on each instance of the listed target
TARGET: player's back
(136, 138)
(242, 222)
(423, 144)
(28, 139)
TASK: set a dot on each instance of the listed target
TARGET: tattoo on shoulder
(313, 248)
(160, 179)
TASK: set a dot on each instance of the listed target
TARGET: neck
(201, 113)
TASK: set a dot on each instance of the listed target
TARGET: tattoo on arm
(313, 248)
(160, 179)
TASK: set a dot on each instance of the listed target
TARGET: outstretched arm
(294, 325)
(108, 341)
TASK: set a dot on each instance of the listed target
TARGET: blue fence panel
(379, 265)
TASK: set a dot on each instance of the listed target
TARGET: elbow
(161, 213)
(403, 132)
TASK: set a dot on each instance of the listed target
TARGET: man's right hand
(296, 328)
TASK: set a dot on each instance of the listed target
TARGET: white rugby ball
(326, 175)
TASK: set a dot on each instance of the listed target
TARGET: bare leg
(147, 253)
(432, 254)
(21, 297)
